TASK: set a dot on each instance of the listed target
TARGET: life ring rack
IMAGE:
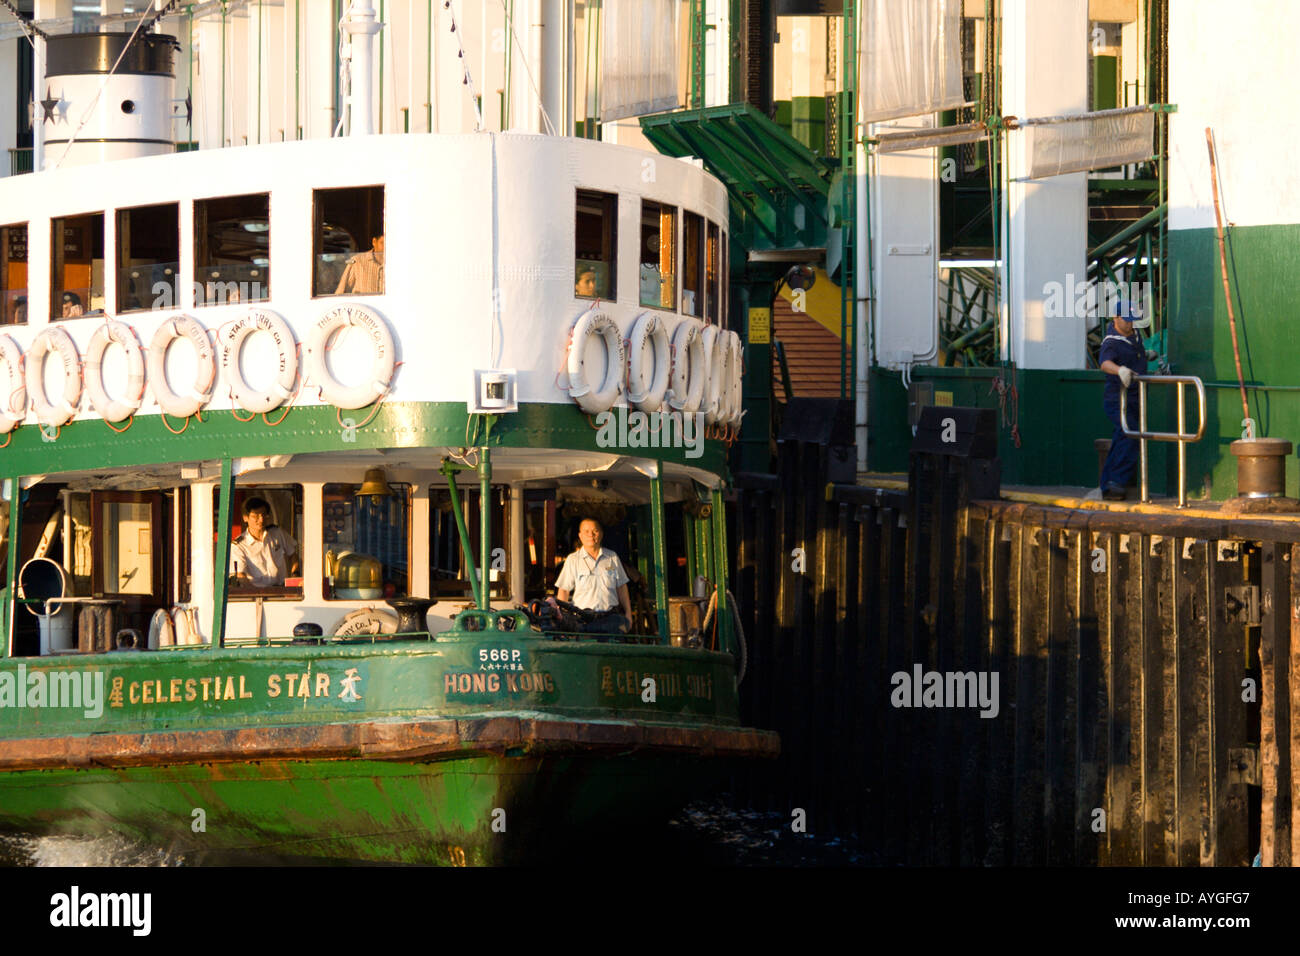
(188, 328)
(643, 392)
(13, 400)
(592, 400)
(109, 408)
(47, 413)
(232, 338)
(380, 379)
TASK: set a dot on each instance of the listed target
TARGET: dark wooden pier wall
(1144, 666)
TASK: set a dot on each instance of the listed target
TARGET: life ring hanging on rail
(687, 378)
(714, 367)
(233, 337)
(13, 400)
(109, 408)
(735, 394)
(592, 400)
(366, 620)
(47, 412)
(188, 328)
(380, 378)
(648, 396)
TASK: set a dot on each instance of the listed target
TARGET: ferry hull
(458, 752)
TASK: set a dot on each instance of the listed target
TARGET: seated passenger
(364, 273)
(593, 578)
(585, 286)
(263, 556)
(72, 306)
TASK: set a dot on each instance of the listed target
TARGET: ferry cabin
(494, 247)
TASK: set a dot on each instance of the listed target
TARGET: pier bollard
(1261, 467)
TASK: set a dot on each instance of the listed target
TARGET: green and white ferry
(538, 337)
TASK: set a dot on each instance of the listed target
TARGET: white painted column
(362, 25)
(1044, 64)
(515, 546)
(553, 66)
(8, 104)
(202, 577)
(905, 217)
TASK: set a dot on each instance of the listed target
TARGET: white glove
(1126, 375)
(1152, 355)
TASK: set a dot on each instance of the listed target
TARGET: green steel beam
(848, 209)
(471, 566)
(485, 525)
(720, 562)
(222, 559)
(11, 572)
(660, 545)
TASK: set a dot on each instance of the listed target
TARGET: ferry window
(447, 575)
(725, 270)
(266, 541)
(232, 249)
(149, 258)
(692, 262)
(127, 527)
(76, 266)
(13, 274)
(658, 238)
(596, 241)
(713, 298)
(349, 243)
(367, 542)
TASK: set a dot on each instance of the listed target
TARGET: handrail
(1182, 437)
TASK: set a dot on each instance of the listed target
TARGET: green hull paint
(436, 809)
(1265, 283)
(88, 444)
(359, 810)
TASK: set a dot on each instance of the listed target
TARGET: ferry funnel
(104, 97)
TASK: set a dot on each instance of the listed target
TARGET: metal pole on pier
(221, 563)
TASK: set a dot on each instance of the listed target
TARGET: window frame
(318, 222)
(58, 267)
(608, 241)
(8, 317)
(202, 252)
(122, 250)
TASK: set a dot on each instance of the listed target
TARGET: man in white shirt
(593, 578)
(263, 556)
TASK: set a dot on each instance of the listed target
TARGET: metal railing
(1182, 437)
(20, 161)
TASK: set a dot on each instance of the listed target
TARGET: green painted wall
(1262, 263)
(1060, 415)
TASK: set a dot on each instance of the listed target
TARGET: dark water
(705, 833)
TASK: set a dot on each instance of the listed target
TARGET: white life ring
(593, 324)
(109, 408)
(687, 378)
(186, 626)
(186, 327)
(643, 395)
(366, 620)
(735, 405)
(162, 632)
(13, 401)
(381, 343)
(715, 362)
(47, 413)
(232, 338)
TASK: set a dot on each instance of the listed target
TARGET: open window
(448, 577)
(367, 542)
(693, 265)
(127, 529)
(595, 245)
(148, 258)
(658, 241)
(13, 274)
(265, 551)
(232, 249)
(76, 265)
(348, 248)
(713, 271)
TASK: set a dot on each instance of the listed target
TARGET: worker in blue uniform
(1123, 358)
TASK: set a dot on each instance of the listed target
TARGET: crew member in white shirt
(264, 555)
(593, 578)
